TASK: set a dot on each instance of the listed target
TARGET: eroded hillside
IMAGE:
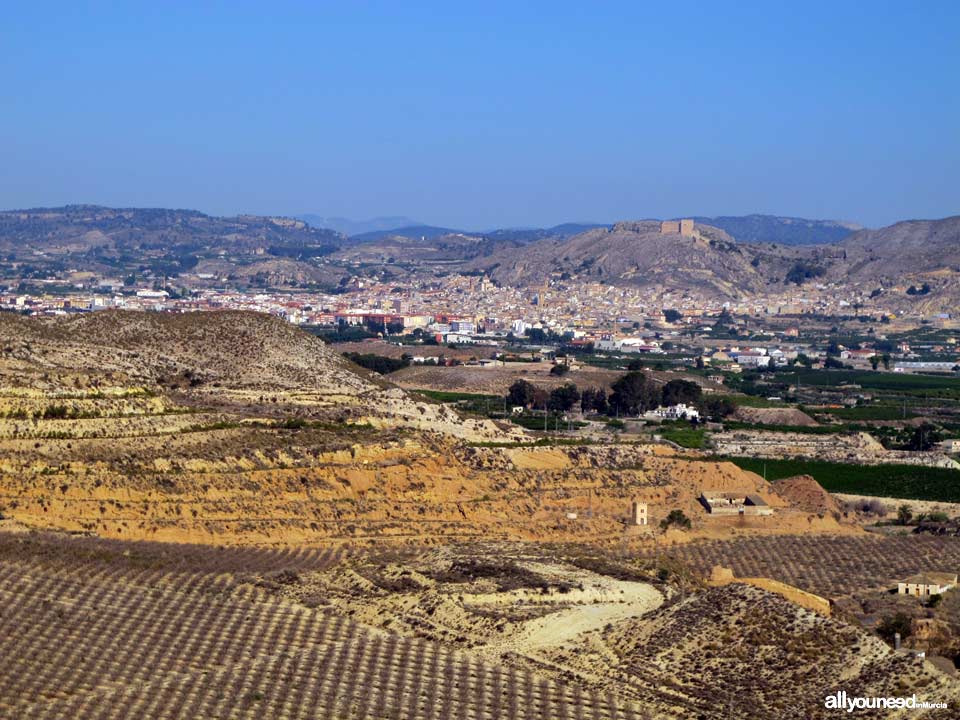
(239, 428)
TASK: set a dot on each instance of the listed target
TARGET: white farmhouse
(927, 584)
(680, 411)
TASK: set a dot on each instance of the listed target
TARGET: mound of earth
(774, 416)
(739, 651)
(229, 349)
(805, 493)
(231, 361)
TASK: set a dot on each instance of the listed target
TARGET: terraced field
(107, 629)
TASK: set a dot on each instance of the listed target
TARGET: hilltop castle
(678, 227)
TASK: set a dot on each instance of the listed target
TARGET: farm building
(680, 411)
(726, 503)
(927, 584)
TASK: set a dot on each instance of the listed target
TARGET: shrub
(893, 624)
(377, 363)
(675, 517)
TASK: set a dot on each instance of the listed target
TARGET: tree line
(633, 394)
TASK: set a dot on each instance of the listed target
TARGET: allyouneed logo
(842, 701)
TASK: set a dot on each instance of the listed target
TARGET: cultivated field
(910, 482)
(101, 629)
(826, 565)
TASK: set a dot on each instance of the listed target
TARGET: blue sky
(496, 114)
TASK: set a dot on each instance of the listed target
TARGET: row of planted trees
(632, 394)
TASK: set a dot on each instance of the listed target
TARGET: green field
(687, 437)
(901, 383)
(866, 412)
(910, 482)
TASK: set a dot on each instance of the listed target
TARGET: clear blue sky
(502, 114)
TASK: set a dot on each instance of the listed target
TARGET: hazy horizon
(407, 221)
(501, 117)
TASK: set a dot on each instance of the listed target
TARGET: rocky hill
(119, 241)
(890, 260)
(225, 350)
(638, 253)
(396, 249)
(245, 363)
(914, 266)
(918, 246)
(429, 244)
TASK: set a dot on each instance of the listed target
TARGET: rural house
(927, 584)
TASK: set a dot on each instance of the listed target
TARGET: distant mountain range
(112, 231)
(920, 256)
(357, 227)
(520, 236)
(742, 228)
(781, 230)
(413, 232)
(121, 242)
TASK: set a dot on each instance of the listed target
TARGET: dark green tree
(681, 391)
(925, 437)
(521, 393)
(633, 394)
(717, 408)
(564, 398)
(893, 624)
(593, 400)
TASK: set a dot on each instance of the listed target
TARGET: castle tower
(638, 513)
(678, 227)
